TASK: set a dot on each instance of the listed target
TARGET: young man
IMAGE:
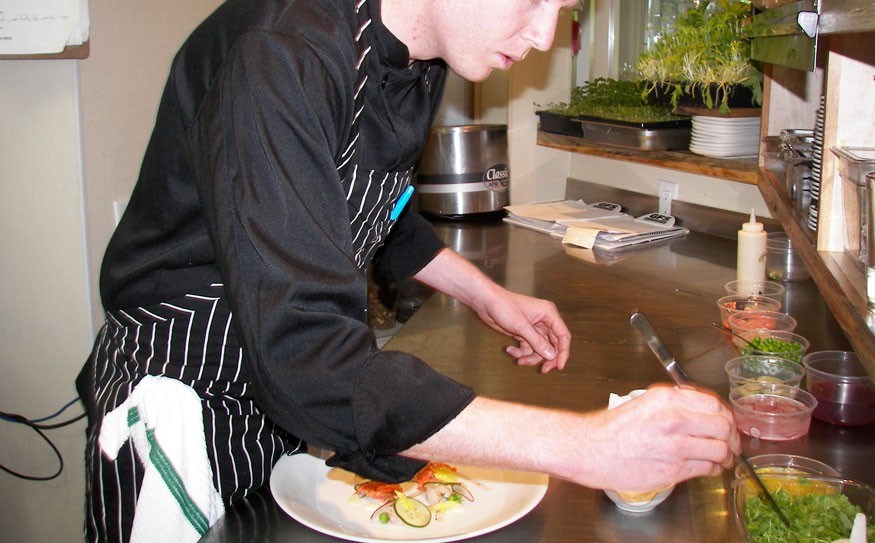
(286, 132)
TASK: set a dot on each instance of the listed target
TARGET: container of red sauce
(845, 393)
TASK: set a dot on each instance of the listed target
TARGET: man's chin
(474, 77)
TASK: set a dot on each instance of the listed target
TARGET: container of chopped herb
(820, 509)
(778, 343)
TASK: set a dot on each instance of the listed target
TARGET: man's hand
(541, 334)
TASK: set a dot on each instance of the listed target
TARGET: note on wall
(42, 26)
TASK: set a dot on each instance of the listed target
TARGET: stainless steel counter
(596, 294)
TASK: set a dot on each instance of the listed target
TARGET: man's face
(478, 36)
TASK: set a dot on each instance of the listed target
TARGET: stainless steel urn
(463, 172)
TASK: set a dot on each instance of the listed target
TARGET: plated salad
(434, 490)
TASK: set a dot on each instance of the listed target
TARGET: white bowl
(639, 502)
(635, 502)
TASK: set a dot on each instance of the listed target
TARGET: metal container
(854, 164)
(463, 172)
(644, 136)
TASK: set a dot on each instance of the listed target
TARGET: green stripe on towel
(171, 478)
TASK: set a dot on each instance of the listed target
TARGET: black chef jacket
(285, 133)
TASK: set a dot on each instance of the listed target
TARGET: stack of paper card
(553, 217)
(602, 225)
(623, 231)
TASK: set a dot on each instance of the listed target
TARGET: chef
(286, 133)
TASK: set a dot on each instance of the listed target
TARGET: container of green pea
(777, 343)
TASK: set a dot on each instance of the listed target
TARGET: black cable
(38, 428)
(58, 424)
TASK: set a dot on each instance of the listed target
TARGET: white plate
(725, 121)
(745, 136)
(719, 131)
(726, 140)
(753, 135)
(321, 498)
(737, 148)
(723, 153)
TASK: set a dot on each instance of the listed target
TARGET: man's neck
(409, 21)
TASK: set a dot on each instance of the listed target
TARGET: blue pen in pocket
(402, 201)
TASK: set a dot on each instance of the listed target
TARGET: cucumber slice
(412, 512)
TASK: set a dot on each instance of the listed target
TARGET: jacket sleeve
(411, 245)
(264, 146)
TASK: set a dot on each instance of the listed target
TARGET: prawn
(378, 490)
(441, 481)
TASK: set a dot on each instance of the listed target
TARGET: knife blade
(641, 325)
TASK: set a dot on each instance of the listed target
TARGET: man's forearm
(453, 275)
(507, 436)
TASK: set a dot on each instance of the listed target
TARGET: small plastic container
(783, 263)
(787, 464)
(751, 287)
(776, 343)
(744, 370)
(735, 303)
(845, 393)
(771, 411)
(742, 489)
(760, 320)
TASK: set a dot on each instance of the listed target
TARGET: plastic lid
(753, 225)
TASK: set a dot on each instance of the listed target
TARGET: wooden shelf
(839, 277)
(846, 16)
(742, 171)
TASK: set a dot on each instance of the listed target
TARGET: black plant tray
(739, 97)
(555, 123)
(656, 125)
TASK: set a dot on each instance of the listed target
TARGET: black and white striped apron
(191, 339)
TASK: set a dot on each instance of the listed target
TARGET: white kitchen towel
(177, 501)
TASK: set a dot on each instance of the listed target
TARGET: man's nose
(542, 29)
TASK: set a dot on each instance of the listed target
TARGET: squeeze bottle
(751, 250)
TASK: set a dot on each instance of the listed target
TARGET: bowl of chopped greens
(821, 509)
(792, 464)
(779, 343)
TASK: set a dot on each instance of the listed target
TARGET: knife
(641, 325)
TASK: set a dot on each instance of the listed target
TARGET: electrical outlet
(668, 191)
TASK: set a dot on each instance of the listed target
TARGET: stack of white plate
(725, 137)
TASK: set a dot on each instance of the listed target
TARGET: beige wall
(695, 189)
(132, 44)
(72, 139)
(44, 327)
